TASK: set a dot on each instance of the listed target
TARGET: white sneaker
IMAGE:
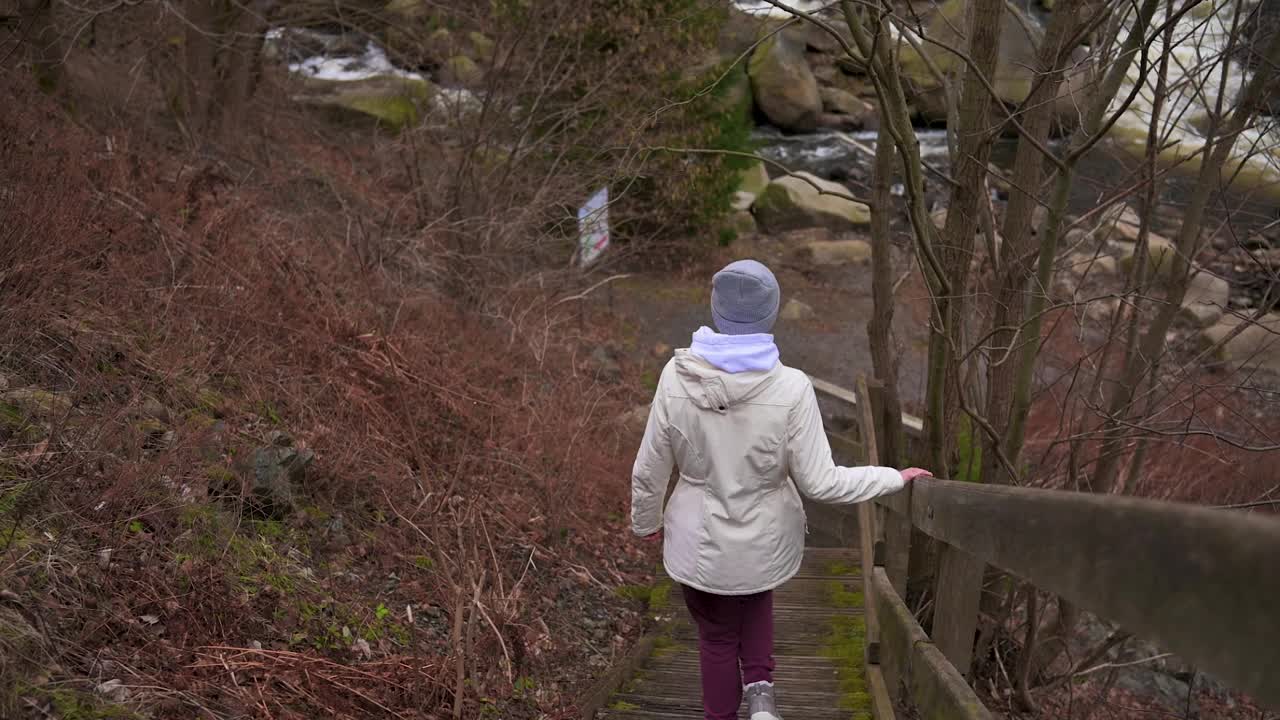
(760, 702)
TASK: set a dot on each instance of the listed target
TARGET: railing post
(897, 541)
(956, 598)
(867, 521)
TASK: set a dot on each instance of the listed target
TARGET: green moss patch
(845, 644)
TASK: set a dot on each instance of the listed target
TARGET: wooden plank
(881, 704)
(1199, 582)
(910, 660)
(898, 503)
(598, 695)
(897, 540)
(912, 424)
(955, 613)
(938, 691)
(867, 513)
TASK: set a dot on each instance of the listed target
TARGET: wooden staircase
(818, 632)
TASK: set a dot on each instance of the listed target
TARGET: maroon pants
(735, 646)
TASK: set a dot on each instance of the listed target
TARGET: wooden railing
(1202, 583)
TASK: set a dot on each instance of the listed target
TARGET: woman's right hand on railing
(912, 473)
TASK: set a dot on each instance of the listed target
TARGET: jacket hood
(711, 388)
(735, 353)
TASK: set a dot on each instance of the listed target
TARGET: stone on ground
(837, 252)
(1256, 346)
(754, 179)
(393, 99)
(1206, 299)
(1160, 253)
(793, 202)
(796, 310)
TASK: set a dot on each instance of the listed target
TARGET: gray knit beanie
(744, 298)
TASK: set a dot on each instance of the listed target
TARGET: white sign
(593, 227)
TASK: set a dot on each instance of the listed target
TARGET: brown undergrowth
(454, 548)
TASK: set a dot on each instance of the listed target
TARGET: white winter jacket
(743, 442)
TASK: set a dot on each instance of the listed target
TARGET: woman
(745, 432)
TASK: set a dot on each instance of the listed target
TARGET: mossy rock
(461, 70)
(1020, 39)
(481, 45)
(1160, 254)
(38, 404)
(754, 178)
(793, 202)
(393, 100)
(783, 85)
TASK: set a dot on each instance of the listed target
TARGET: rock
(742, 200)
(38, 404)
(1206, 299)
(1090, 264)
(796, 310)
(113, 690)
(836, 121)
(784, 87)
(454, 103)
(846, 103)
(461, 70)
(278, 469)
(793, 202)
(1102, 311)
(605, 363)
(1256, 346)
(837, 252)
(481, 45)
(1160, 253)
(753, 179)
(939, 218)
(825, 74)
(396, 100)
(1020, 39)
(742, 223)
(634, 420)
(409, 37)
(1075, 237)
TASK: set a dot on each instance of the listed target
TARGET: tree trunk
(880, 326)
(1152, 345)
(1019, 241)
(45, 43)
(976, 133)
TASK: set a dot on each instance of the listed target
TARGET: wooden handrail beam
(913, 424)
(1202, 583)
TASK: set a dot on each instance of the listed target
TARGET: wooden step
(806, 608)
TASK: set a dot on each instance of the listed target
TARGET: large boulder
(1206, 298)
(1256, 346)
(837, 252)
(804, 200)
(395, 100)
(784, 87)
(1160, 253)
(1020, 40)
(754, 178)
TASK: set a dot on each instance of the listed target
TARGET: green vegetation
(969, 450)
(845, 644)
(841, 568)
(72, 704)
(840, 596)
(655, 597)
